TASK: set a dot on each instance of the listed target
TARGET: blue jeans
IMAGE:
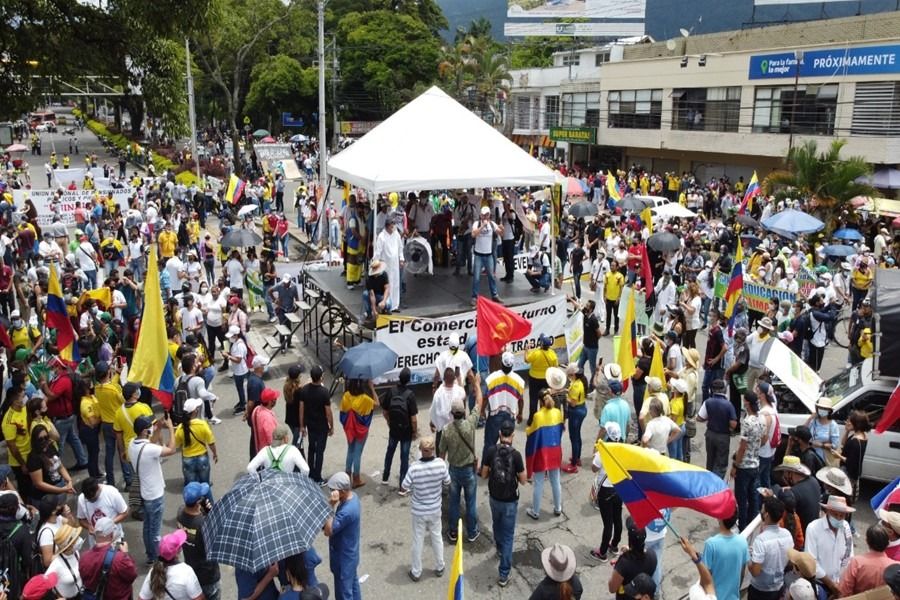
(710, 375)
(367, 303)
(270, 308)
(588, 356)
(503, 515)
(492, 430)
(704, 311)
(68, 431)
(657, 547)
(765, 471)
(389, 457)
(576, 415)
(195, 468)
(553, 476)
(92, 278)
(486, 262)
(745, 483)
(91, 438)
(354, 456)
(346, 583)
(462, 479)
(109, 457)
(539, 281)
(153, 515)
(676, 447)
(241, 389)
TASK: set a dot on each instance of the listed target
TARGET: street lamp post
(798, 60)
(323, 151)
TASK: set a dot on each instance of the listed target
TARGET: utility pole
(323, 150)
(334, 103)
(192, 117)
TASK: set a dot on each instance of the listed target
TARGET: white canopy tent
(436, 143)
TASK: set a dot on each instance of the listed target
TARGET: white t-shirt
(766, 450)
(440, 405)
(238, 350)
(450, 359)
(601, 473)
(656, 433)
(194, 269)
(109, 503)
(47, 532)
(135, 250)
(174, 266)
(69, 582)
(693, 319)
(86, 256)
(118, 298)
(235, 271)
(190, 318)
(289, 460)
(181, 583)
(214, 311)
(153, 485)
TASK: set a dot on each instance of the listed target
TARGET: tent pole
(553, 241)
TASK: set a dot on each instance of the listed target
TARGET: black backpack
(11, 567)
(398, 412)
(503, 482)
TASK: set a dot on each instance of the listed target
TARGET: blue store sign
(871, 60)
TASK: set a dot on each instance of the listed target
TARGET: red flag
(891, 412)
(646, 273)
(497, 325)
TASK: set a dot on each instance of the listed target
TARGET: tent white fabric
(436, 143)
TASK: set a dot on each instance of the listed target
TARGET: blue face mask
(835, 523)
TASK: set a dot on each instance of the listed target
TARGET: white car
(49, 126)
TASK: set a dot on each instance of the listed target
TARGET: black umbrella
(751, 240)
(632, 203)
(583, 210)
(747, 221)
(664, 241)
(241, 238)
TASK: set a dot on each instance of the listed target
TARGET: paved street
(386, 519)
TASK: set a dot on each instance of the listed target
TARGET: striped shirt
(426, 479)
(504, 392)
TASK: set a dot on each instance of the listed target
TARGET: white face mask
(834, 522)
(823, 412)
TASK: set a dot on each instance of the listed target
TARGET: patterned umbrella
(264, 518)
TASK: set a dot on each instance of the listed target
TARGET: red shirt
(61, 407)
(5, 277)
(264, 424)
(635, 263)
(122, 572)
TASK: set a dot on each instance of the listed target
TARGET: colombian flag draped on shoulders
(152, 364)
(356, 415)
(751, 193)
(57, 317)
(543, 446)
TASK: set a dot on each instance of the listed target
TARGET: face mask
(834, 522)
(94, 310)
(77, 546)
(823, 412)
(17, 323)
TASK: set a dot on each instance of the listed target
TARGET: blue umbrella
(845, 233)
(839, 250)
(367, 361)
(793, 222)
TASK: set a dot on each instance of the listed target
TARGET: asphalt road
(386, 531)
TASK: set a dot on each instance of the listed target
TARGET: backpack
(181, 394)
(398, 413)
(275, 463)
(11, 567)
(775, 440)
(504, 481)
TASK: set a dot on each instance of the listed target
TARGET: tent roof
(436, 143)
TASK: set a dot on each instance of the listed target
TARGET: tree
(536, 52)
(280, 83)
(479, 27)
(826, 179)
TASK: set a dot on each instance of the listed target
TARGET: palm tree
(827, 180)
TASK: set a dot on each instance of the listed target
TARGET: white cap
(258, 361)
(15, 314)
(233, 331)
(454, 340)
(192, 404)
(485, 210)
(802, 590)
(285, 278)
(508, 359)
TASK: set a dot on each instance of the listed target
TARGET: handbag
(135, 501)
(740, 381)
(690, 428)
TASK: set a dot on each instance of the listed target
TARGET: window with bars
(635, 109)
(571, 60)
(551, 111)
(580, 109)
(812, 108)
(876, 109)
(523, 112)
(706, 109)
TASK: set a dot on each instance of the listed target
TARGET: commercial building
(729, 103)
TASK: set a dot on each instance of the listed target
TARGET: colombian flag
(355, 423)
(152, 364)
(751, 193)
(455, 590)
(628, 341)
(102, 296)
(543, 446)
(648, 482)
(57, 317)
(235, 189)
(612, 187)
(735, 286)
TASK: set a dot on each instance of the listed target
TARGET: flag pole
(601, 443)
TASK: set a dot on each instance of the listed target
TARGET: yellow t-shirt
(193, 228)
(539, 360)
(15, 431)
(201, 437)
(44, 420)
(110, 397)
(167, 242)
(124, 421)
(858, 279)
(612, 286)
(866, 348)
(676, 410)
(176, 364)
(576, 393)
(90, 409)
(22, 336)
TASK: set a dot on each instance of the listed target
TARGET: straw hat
(792, 463)
(837, 504)
(376, 267)
(559, 562)
(891, 518)
(691, 356)
(804, 561)
(612, 372)
(834, 477)
(65, 537)
(825, 402)
(556, 378)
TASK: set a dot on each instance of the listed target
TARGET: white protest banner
(64, 177)
(641, 318)
(418, 341)
(66, 208)
(270, 152)
(575, 336)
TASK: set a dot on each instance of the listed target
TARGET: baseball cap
(171, 544)
(316, 372)
(802, 590)
(339, 481)
(641, 585)
(101, 368)
(453, 340)
(457, 406)
(39, 585)
(268, 395)
(802, 433)
(194, 491)
(104, 526)
(192, 404)
(508, 359)
(233, 331)
(285, 278)
(485, 210)
(141, 423)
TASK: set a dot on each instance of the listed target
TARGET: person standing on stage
(483, 233)
(389, 249)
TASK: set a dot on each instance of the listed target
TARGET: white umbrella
(246, 210)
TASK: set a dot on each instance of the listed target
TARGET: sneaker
(439, 572)
(557, 511)
(215, 420)
(472, 538)
(403, 492)
(238, 410)
(383, 482)
(415, 578)
(570, 468)
(596, 555)
(497, 299)
(532, 514)
(451, 535)
(503, 581)
(613, 551)
(273, 319)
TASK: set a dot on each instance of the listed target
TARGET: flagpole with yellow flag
(455, 589)
(657, 368)
(647, 219)
(628, 340)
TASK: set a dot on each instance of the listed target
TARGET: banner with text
(270, 152)
(575, 336)
(66, 208)
(757, 295)
(418, 341)
(64, 177)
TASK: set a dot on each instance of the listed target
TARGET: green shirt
(453, 441)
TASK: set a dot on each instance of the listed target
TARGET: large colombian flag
(57, 317)
(543, 446)
(735, 285)
(455, 589)
(152, 364)
(751, 193)
(648, 482)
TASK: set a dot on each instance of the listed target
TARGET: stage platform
(435, 295)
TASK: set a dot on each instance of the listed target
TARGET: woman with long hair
(65, 562)
(48, 474)
(853, 448)
(546, 430)
(560, 582)
(576, 411)
(269, 279)
(196, 438)
(301, 584)
(169, 578)
(635, 560)
(291, 392)
(691, 303)
(253, 282)
(357, 405)
(608, 501)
